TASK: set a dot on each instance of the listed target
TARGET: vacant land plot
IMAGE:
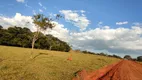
(15, 64)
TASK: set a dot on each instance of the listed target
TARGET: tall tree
(42, 23)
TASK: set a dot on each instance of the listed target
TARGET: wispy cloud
(137, 24)
(44, 7)
(34, 12)
(100, 24)
(82, 11)
(121, 23)
(40, 10)
(40, 4)
(27, 5)
(22, 1)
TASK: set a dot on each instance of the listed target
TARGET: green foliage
(22, 37)
(116, 56)
(102, 54)
(128, 57)
(139, 58)
(42, 22)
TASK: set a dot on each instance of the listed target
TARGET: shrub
(139, 58)
(128, 57)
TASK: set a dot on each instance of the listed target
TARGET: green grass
(15, 64)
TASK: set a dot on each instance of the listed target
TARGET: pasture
(15, 64)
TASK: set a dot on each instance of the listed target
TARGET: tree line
(22, 37)
(128, 57)
(101, 54)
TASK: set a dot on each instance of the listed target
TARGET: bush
(139, 58)
(128, 57)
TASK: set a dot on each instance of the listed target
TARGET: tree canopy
(128, 57)
(139, 58)
(22, 37)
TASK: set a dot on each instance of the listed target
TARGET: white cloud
(40, 10)
(40, 4)
(106, 27)
(26, 21)
(137, 24)
(100, 24)
(59, 31)
(51, 15)
(82, 11)
(22, 1)
(27, 5)
(119, 40)
(121, 23)
(83, 14)
(34, 12)
(44, 7)
(80, 21)
(17, 20)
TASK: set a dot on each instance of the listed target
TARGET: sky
(112, 26)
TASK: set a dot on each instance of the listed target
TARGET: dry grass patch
(47, 65)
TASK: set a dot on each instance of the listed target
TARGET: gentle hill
(15, 64)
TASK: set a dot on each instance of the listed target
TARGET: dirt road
(123, 70)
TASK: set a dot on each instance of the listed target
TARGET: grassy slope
(15, 64)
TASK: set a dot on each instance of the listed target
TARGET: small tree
(42, 23)
(128, 57)
(1, 27)
(139, 58)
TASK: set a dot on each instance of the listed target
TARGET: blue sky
(109, 12)
(86, 17)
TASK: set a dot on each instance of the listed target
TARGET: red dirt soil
(123, 70)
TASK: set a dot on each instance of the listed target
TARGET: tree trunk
(50, 48)
(33, 43)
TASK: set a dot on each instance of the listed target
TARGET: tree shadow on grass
(40, 55)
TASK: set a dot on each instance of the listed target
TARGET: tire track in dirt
(123, 70)
(127, 70)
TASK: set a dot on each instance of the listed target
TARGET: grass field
(15, 64)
